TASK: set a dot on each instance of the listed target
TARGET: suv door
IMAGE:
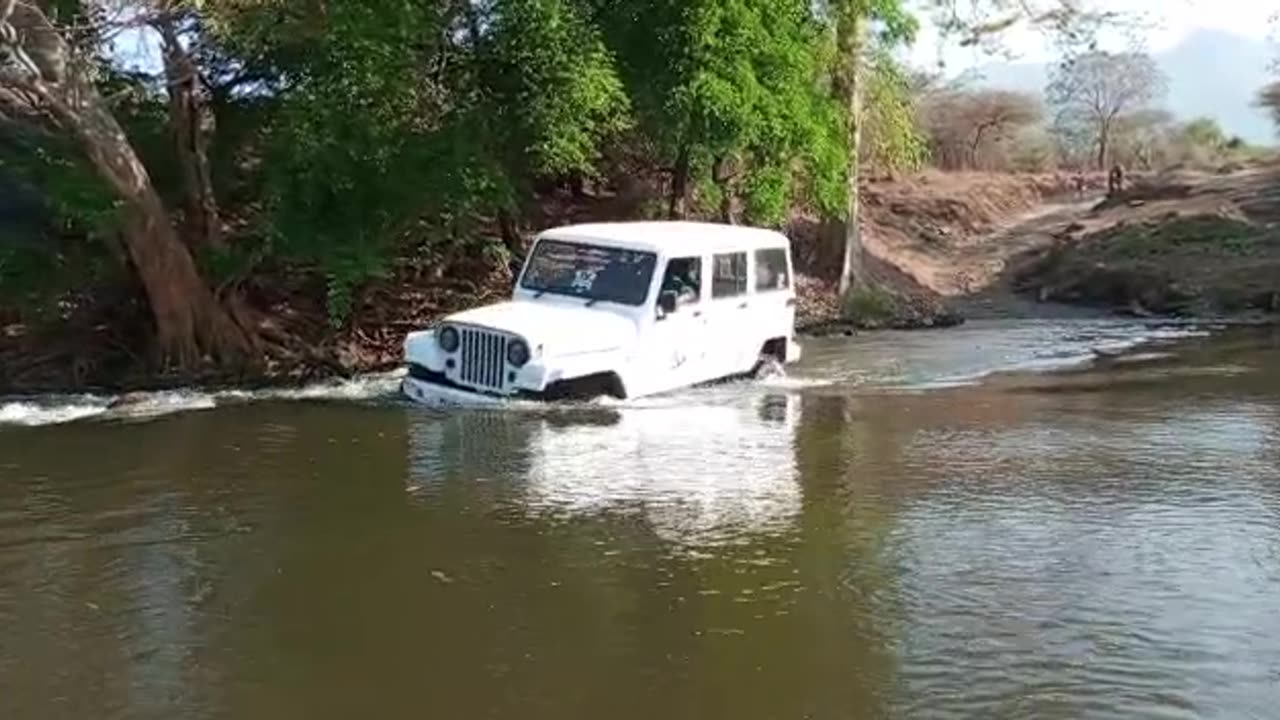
(731, 330)
(676, 349)
(774, 298)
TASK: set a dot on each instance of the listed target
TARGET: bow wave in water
(56, 409)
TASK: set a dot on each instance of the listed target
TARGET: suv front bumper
(440, 395)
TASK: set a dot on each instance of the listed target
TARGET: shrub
(868, 306)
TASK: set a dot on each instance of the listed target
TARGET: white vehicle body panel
(634, 349)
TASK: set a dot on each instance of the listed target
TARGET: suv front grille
(484, 358)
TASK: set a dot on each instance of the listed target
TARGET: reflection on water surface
(695, 474)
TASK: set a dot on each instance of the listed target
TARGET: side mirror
(667, 302)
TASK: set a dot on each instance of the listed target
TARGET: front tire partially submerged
(775, 355)
(768, 367)
(586, 388)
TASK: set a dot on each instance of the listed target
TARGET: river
(1001, 520)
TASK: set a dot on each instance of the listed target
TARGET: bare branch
(971, 128)
(1071, 24)
(1092, 90)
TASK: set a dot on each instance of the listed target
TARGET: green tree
(730, 96)
(895, 139)
(421, 115)
(354, 146)
(547, 95)
(852, 21)
(1205, 132)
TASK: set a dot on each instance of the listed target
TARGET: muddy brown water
(881, 534)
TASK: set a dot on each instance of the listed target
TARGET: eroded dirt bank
(1178, 244)
(1172, 244)
(932, 240)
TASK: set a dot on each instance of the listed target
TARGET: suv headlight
(448, 338)
(518, 353)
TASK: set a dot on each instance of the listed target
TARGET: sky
(1166, 23)
(1171, 21)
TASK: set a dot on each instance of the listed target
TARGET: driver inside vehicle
(683, 278)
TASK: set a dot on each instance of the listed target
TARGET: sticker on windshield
(583, 280)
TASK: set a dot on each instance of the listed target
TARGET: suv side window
(729, 276)
(771, 270)
(683, 276)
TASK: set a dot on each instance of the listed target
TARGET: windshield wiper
(591, 302)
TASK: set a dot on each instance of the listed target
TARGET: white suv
(617, 309)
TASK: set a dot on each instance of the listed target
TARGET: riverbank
(98, 340)
(930, 238)
(1179, 244)
(941, 247)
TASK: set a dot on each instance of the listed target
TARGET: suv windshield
(590, 272)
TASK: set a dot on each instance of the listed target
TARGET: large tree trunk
(677, 202)
(190, 323)
(852, 30)
(512, 240)
(723, 177)
(977, 145)
(1104, 139)
(189, 120)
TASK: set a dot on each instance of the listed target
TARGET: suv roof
(670, 236)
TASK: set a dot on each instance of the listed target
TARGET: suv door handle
(742, 305)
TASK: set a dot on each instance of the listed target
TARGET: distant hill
(1211, 73)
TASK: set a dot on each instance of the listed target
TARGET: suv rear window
(771, 270)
